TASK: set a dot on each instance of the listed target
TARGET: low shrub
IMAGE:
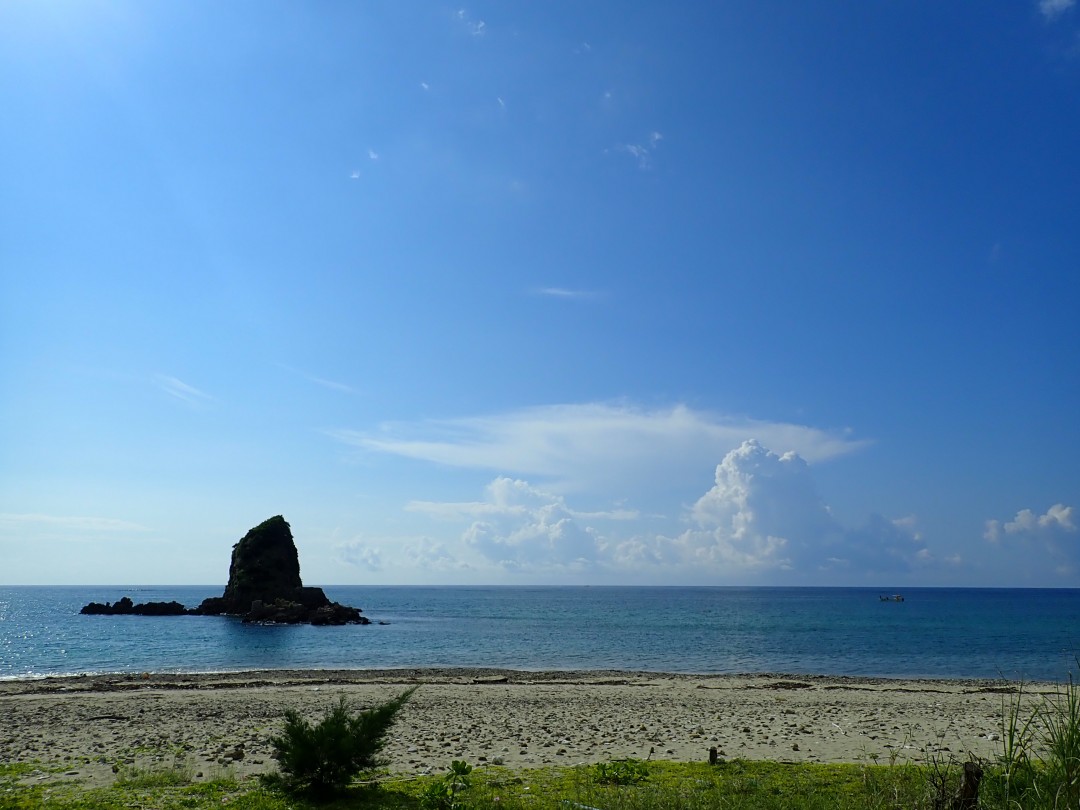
(323, 758)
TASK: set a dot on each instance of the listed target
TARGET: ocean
(1030, 634)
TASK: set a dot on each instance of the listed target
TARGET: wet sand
(91, 726)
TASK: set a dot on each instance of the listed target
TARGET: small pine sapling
(324, 757)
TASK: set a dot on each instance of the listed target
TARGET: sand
(85, 728)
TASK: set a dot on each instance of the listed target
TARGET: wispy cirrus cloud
(565, 292)
(79, 523)
(642, 152)
(333, 385)
(1052, 9)
(181, 390)
(29, 529)
(597, 447)
(475, 27)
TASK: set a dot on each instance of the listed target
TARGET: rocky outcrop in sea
(125, 607)
(264, 586)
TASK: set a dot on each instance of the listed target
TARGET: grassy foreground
(1038, 769)
(732, 785)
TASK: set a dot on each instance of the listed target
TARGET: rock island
(264, 586)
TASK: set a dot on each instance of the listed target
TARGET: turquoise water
(934, 633)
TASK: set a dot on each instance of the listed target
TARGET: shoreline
(437, 671)
(85, 725)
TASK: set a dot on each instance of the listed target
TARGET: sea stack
(265, 586)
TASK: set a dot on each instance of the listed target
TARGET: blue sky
(712, 293)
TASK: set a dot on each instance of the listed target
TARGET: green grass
(736, 784)
(1040, 760)
(730, 785)
(145, 788)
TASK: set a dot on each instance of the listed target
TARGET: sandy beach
(89, 726)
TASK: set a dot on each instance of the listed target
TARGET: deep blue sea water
(934, 633)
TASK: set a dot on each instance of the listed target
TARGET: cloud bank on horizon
(763, 518)
(762, 521)
(541, 293)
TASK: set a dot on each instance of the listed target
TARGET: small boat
(896, 597)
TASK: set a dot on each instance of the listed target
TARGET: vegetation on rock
(264, 566)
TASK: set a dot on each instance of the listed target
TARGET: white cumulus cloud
(433, 555)
(397, 554)
(517, 527)
(1051, 538)
(763, 514)
(1057, 519)
(361, 554)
